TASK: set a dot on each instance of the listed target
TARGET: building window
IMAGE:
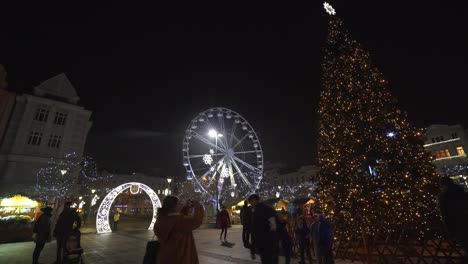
(35, 138)
(60, 118)
(443, 153)
(454, 135)
(460, 151)
(41, 115)
(54, 141)
(433, 140)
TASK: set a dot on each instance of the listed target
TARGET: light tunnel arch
(102, 217)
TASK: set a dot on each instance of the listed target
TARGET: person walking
(116, 219)
(325, 241)
(314, 233)
(67, 218)
(224, 221)
(245, 216)
(42, 232)
(453, 206)
(174, 231)
(303, 239)
(264, 233)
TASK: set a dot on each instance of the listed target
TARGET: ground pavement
(128, 246)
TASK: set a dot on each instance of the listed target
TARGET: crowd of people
(68, 221)
(265, 231)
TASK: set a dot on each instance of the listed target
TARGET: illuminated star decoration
(207, 159)
(225, 172)
(330, 10)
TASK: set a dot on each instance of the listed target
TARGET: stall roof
(19, 201)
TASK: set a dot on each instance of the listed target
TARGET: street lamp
(91, 204)
(169, 183)
(213, 134)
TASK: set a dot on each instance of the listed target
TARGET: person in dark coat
(325, 241)
(42, 232)
(64, 226)
(285, 238)
(225, 221)
(264, 232)
(303, 239)
(453, 206)
(245, 216)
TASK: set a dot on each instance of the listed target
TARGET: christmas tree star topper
(330, 10)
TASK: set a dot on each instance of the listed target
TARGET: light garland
(67, 177)
(102, 217)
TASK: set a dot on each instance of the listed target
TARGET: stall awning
(19, 201)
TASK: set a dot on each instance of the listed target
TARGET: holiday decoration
(375, 174)
(67, 177)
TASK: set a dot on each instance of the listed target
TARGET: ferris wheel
(222, 154)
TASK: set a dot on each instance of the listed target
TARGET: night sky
(146, 71)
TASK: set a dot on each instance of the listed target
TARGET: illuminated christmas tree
(67, 177)
(375, 171)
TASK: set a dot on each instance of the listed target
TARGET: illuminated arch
(102, 217)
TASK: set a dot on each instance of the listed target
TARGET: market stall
(16, 216)
(18, 205)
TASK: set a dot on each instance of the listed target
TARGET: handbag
(152, 250)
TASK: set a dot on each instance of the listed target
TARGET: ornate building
(47, 124)
(448, 144)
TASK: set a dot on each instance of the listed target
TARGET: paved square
(129, 247)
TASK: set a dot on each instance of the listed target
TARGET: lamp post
(169, 183)
(90, 204)
(212, 133)
(278, 192)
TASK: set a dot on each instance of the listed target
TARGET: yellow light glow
(19, 200)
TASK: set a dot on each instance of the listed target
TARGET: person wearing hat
(42, 232)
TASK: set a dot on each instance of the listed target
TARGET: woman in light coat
(174, 232)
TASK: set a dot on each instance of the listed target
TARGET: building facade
(47, 124)
(447, 144)
(273, 175)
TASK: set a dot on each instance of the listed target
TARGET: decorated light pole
(215, 134)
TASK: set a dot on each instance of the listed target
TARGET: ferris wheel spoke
(233, 131)
(246, 152)
(231, 175)
(247, 165)
(240, 141)
(207, 141)
(223, 139)
(208, 123)
(220, 141)
(241, 174)
(202, 155)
